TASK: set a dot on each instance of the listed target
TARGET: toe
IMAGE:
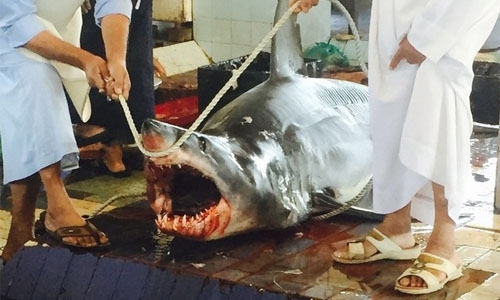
(103, 238)
(405, 281)
(340, 254)
(414, 282)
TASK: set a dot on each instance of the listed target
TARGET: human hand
(119, 81)
(304, 5)
(86, 6)
(96, 70)
(159, 70)
(408, 52)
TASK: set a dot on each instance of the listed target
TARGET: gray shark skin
(288, 147)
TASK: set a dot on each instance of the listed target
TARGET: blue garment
(35, 124)
(18, 22)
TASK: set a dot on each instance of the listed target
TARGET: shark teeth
(195, 225)
(170, 193)
(198, 226)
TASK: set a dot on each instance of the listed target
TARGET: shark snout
(157, 135)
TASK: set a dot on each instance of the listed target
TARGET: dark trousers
(139, 65)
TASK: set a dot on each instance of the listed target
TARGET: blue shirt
(34, 120)
(18, 22)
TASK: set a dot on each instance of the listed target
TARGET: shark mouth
(187, 203)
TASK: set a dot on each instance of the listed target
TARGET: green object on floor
(328, 54)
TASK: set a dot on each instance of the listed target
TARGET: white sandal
(387, 249)
(421, 267)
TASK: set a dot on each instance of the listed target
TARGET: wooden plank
(28, 271)
(78, 277)
(53, 273)
(273, 296)
(187, 287)
(8, 273)
(153, 283)
(242, 292)
(168, 280)
(212, 290)
(105, 279)
(131, 282)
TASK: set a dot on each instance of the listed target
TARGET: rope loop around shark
(283, 151)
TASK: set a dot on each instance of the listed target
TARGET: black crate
(211, 78)
(485, 95)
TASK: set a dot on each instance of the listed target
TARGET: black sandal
(86, 230)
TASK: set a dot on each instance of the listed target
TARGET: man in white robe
(420, 79)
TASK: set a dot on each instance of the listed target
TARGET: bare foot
(113, 158)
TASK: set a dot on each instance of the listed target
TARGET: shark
(287, 149)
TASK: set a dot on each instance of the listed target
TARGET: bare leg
(442, 239)
(396, 226)
(24, 193)
(60, 209)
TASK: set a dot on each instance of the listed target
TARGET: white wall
(228, 29)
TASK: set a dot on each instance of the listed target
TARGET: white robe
(420, 115)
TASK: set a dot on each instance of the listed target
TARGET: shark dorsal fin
(286, 52)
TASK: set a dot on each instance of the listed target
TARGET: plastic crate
(211, 78)
(485, 94)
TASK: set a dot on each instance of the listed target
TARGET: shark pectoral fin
(324, 200)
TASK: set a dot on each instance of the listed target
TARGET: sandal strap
(87, 230)
(381, 242)
(427, 261)
(356, 250)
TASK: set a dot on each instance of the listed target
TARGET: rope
(113, 199)
(230, 83)
(347, 205)
(233, 82)
(354, 29)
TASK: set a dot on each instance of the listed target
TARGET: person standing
(36, 130)
(420, 79)
(108, 116)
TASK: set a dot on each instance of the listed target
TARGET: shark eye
(202, 143)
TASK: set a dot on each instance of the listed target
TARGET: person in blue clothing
(36, 130)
